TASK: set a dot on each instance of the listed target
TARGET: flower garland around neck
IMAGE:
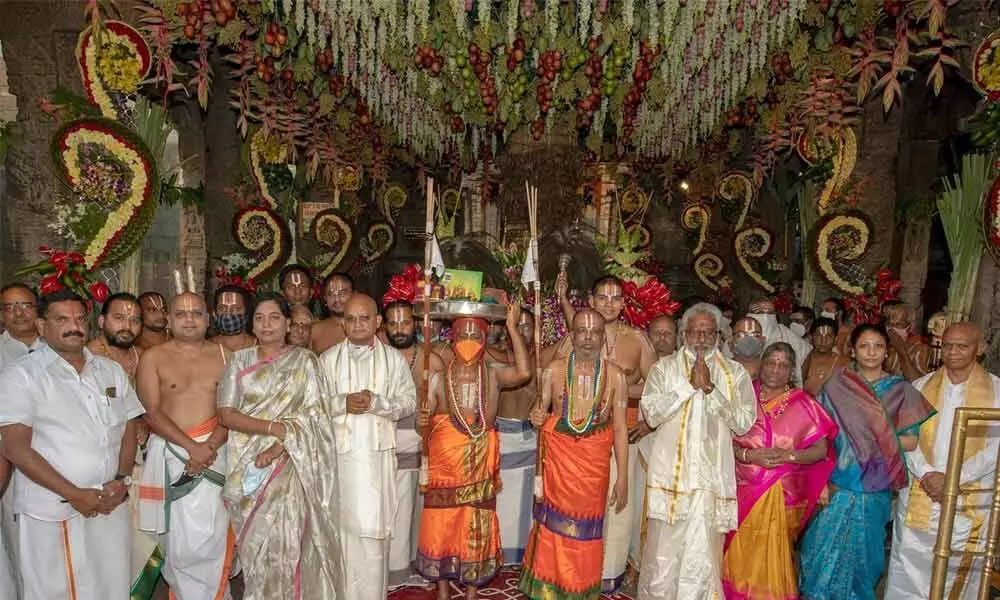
(478, 428)
(569, 395)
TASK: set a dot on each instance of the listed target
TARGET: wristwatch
(124, 478)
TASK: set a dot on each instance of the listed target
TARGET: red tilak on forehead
(463, 323)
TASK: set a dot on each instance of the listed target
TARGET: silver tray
(453, 309)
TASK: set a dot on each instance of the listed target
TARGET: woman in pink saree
(782, 466)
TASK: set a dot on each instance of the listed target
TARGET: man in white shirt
(66, 421)
(762, 310)
(371, 389)
(18, 312)
(695, 400)
(961, 381)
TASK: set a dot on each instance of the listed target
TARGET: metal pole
(942, 549)
(991, 539)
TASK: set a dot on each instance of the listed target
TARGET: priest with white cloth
(66, 420)
(696, 400)
(960, 382)
(371, 389)
(762, 310)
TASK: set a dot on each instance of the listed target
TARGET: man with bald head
(300, 330)
(177, 383)
(329, 332)
(747, 344)
(370, 389)
(663, 335)
(960, 382)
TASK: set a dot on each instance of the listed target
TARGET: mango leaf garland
(111, 172)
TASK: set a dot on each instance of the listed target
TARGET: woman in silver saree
(282, 486)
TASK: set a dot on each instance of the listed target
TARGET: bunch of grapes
(428, 58)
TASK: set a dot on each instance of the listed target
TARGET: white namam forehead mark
(156, 301)
(296, 277)
(590, 319)
(189, 304)
(230, 299)
(469, 327)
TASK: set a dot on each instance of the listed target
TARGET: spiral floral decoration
(839, 242)
(991, 220)
(264, 235)
(114, 70)
(708, 267)
(696, 218)
(986, 67)
(379, 240)
(265, 151)
(110, 170)
(392, 201)
(843, 165)
(333, 233)
(738, 185)
(751, 247)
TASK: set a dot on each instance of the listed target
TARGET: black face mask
(230, 324)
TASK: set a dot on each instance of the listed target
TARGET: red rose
(99, 291)
(50, 284)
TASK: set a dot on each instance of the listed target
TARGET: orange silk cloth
(459, 531)
(566, 547)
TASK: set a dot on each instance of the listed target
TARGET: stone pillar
(8, 113)
(39, 49)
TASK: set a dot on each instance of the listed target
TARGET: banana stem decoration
(425, 387)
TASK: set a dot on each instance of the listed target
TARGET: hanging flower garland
(115, 70)
(838, 242)
(264, 235)
(113, 175)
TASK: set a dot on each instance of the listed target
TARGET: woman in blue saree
(842, 555)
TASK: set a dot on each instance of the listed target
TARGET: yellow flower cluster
(988, 67)
(258, 231)
(122, 216)
(748, 248)
(118, 64)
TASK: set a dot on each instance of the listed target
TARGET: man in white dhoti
(960, 382)
(66, 424)
(663, 335)
(696, 400)
(401, 331)
(18, 316)
(180, 495)
(762, 310)
(371, 390)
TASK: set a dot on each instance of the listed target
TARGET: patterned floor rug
(503, 587)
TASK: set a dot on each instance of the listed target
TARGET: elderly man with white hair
(696, 399)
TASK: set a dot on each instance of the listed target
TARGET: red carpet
(503, 587)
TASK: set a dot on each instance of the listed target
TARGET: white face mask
(798, 329)
(768, 323)
(828, 315)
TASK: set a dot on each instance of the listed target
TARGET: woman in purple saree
(782, 466)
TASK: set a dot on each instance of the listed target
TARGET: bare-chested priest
(232, 311)
(824, 359)
(401, 333)
(155, 323)
(630, 349)
(177, 382)
(518, 446)
(330, 331)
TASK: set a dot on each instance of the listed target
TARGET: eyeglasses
(12, 306)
